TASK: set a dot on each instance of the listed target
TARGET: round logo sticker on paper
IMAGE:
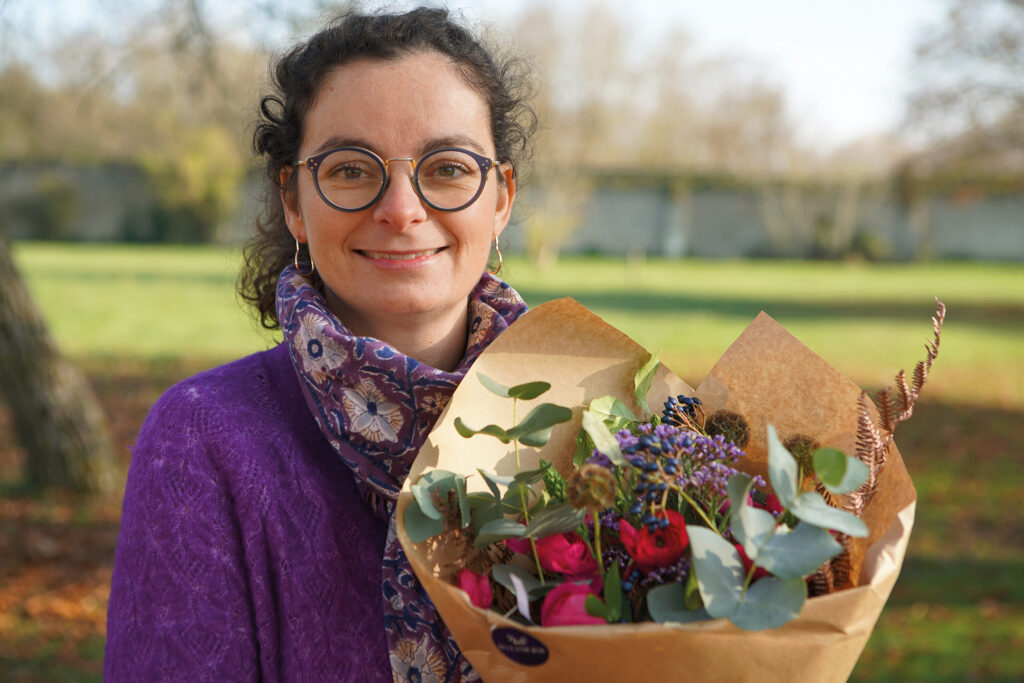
(520, 646)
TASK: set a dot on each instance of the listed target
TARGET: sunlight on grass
(868, 320)
(938, 643)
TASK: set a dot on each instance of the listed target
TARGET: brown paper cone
(767, 376)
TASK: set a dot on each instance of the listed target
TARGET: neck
(437, 341)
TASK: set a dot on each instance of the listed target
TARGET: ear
(506, 197)
(290, 203)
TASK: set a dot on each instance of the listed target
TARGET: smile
(399, 256)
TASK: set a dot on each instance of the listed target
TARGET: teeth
(400, 257)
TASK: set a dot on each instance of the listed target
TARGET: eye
(349, 172)
(349, 166)
(448, 167)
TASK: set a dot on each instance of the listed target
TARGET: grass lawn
(139, 318)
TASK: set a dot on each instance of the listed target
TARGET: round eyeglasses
(353, 178)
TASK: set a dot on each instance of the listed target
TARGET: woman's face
(399, 258)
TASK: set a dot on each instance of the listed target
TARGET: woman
(258, 528)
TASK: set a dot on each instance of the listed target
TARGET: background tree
(968, 99)
(56, 417)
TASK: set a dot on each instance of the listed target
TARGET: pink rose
(565, 606)
(565, 553)
(655, 549)
(477, 586)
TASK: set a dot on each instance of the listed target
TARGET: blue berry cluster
(678, 408)
(664, 458)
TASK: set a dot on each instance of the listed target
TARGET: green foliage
(603, 440)
(791, 554)
(642, 382)
(668, 603)
(719, 571)
(839, 472)
(534, 429)
(770, 603)
(554, 519)
(554, 482)
(611, 608)
(424, 519)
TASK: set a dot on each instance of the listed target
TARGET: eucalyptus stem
(522, 494)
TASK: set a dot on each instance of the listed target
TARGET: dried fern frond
(841, 565)
(872, 445)
(887, 410)
(822, 581)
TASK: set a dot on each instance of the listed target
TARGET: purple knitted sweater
(245, 551)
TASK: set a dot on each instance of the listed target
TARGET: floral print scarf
(376, 407)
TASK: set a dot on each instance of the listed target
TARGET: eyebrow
(465, 141)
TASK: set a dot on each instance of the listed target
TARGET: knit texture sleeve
(179, 603)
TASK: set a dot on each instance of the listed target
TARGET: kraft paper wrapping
(768, 376)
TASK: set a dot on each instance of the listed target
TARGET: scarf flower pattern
(376, 407)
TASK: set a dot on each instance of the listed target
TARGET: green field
(139, 318)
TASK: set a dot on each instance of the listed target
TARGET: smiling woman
(257, 538)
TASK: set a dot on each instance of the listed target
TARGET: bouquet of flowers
(681, 529)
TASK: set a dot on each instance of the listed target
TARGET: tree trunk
(56, 416)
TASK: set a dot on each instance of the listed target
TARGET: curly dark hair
(503, 82)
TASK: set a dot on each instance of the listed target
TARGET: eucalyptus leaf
(493, 482)
(527, 477)
(609, 406)
(466, 431)
(498, 530)
(423, 490)
(642, 382)
(492, 386)
(810, 507)
(462, 500)
(483, 508)
(528, 391)
(751, 526)
(535, 429)
(799, 552)
(419, 526)
(517, 496)
(770, 603)
(604, 441)
(554, 519)
(839, 472)
(782, 469)
(667, 602)
(502, 574)
(719, 571)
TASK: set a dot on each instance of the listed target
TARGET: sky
(843, 65)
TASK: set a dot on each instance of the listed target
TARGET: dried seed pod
(731, 426)
(591, 487)
(802, 447)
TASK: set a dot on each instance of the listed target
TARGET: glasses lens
(449, 179)
(350, 178)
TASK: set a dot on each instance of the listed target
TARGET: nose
(400, 207)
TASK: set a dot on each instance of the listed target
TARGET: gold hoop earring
(498, 252)
(312, 266)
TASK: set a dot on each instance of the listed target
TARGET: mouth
(399, 255)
